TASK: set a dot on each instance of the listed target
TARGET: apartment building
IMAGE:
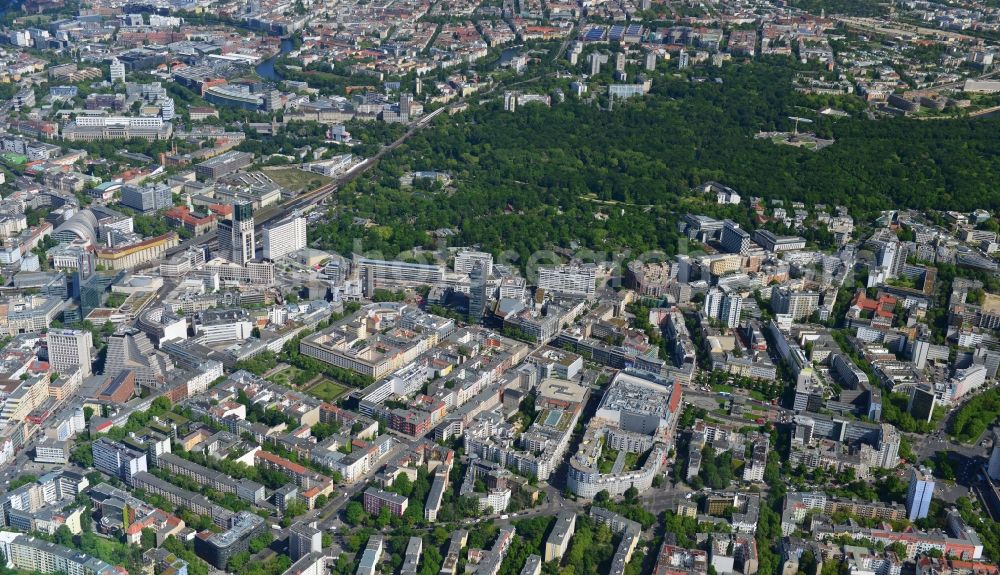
(559, 537)
(376, 499)
(247, 490)
(569, 280)
(117, 460)
(38, 556)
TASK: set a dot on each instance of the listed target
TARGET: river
(266, 68)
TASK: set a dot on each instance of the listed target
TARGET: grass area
(33, 20)
(328, 390)
(286, 376)
(295, 179)
(607, 461)
(608, 457)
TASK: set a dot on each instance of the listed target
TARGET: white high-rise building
(117, 70)
(920, 493)
(304, 539)
(994, 467)
(683, 60)
(651, 61)
(117, 460)
(167, 111)
(724, 307)
(69, 348)
(799, 305)
(569, 280)
(284, 237)
(466, 260)
(236, 240)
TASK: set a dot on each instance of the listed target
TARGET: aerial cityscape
(499, 287)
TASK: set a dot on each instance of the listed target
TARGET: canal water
(266, 68)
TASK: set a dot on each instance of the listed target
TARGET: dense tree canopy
(546, 177)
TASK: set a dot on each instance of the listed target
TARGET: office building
(775, 243)
(236, 239)
(131, 255)
(235, 96)
(50, 451)
(405, 103)
(478, 292)
(223, 164)
(284, 237)
(922, 403)
(734, 239)
(993, 468)
(218, 548)
(466, 260)
(120, 389)
(70, 348)
(724, 307)
(569, 280)
(196, 223)
(919, 494)
(799, 305)
(94, 128)
(148, 198)
(304, 539)
(625, 91)
(130, 349)
(117, 460)
(117, 70)
(388, 273)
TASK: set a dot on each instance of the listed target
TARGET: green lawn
(285, 376)
(295, 179)
(328, 390)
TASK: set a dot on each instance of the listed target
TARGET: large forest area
(535, 178)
